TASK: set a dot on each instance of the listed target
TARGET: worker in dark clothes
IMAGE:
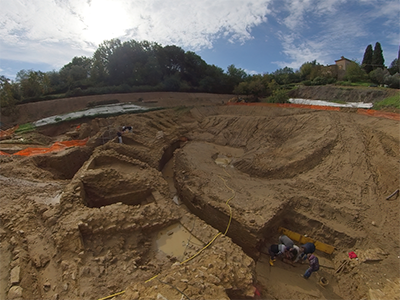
(314, 265)
(119, 134)
(276, 250)
(127, 128)
(284, 239)
(307, 248)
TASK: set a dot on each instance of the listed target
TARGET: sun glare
(104, 20)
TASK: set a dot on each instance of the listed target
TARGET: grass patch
(24, 128)
(348, 83)
(389, 102)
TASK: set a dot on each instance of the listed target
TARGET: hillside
(347, 94)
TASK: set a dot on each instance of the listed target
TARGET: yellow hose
(219, 233)
(206, 246)
(116, 294)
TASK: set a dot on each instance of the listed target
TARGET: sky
(258, 36)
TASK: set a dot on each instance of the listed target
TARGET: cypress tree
(377, 57)
(398, 55)
(367, 60)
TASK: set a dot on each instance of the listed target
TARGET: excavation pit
(114, 178)
(242, 171)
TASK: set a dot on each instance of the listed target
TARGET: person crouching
(314, 265)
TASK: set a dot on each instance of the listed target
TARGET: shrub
(279, 96)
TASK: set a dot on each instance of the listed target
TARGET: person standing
(314, 265)
(119, 137)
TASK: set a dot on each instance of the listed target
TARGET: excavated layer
(110, 179)
(242, 170)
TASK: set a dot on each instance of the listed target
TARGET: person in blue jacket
(307, 248)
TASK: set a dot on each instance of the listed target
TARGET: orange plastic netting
(361, 111)
(289, 105)
(7, 133)
(377, 113)
(57, 146)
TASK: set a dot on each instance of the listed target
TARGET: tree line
(132, 66)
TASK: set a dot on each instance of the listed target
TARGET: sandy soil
(89, 222)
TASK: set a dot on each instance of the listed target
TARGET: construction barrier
(378, 113)
(57, 146)
(305, 239)
(360, 111)
(289, 105)
(4, 134)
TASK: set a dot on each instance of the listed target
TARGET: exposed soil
(89, 222)
(347, 94)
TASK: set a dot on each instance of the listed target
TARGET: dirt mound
(179, 208)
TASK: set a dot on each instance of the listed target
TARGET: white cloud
(336, 29)
(298, 12)
(42, 30)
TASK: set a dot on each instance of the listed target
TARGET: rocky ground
(178, 209)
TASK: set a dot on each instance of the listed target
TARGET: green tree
(379, 75)
(76, 73)
(235, 76)
(354, 73)
(367, 59)
(279, 96)
(171, 60)
(377, 57)
(7, 96)
(395, 65)
(194, 68)
(306, 69)
(285, 76)
(257, 85)
(100, 72)
(126, 62)
(393, 81)
(33, 83)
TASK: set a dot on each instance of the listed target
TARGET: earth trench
(179, 209)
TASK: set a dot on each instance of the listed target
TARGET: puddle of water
(176, 241)
(223, 161)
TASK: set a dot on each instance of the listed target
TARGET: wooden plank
(305, 239)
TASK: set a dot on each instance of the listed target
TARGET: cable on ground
(205, 247)
(227, 227)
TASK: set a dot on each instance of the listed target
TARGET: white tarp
(327, 103)
(98, 110)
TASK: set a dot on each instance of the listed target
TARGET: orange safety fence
(57, 146)
(289, 105)
(361, 111)
(7, 133)
(377, 113)
(3, 153)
